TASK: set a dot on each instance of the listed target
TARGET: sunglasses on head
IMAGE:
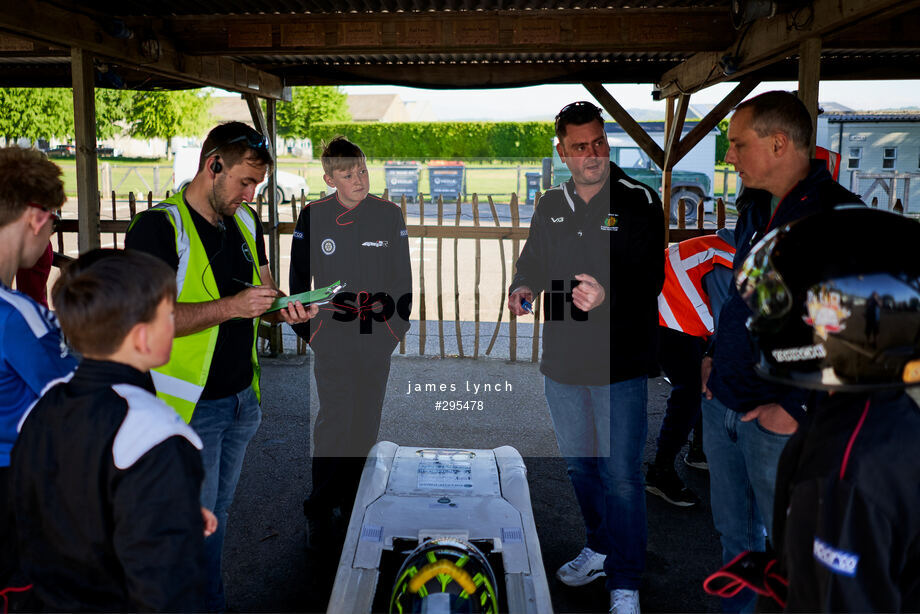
(253, 139)
(55, 218)
(580, 112)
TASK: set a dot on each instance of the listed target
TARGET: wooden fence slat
(720, 213)
(501, 301)
(476, 279)
(149, 199)
(700, 213)
(114, 217)
(132, 204)
(457, 284)
(440, 294)
(515, 249)
(422, 328)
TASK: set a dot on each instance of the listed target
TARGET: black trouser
(351, 386)
(9, 561)
(679, 356)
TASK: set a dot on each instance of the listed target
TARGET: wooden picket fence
(446, 228)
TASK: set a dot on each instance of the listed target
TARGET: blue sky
(544, 101)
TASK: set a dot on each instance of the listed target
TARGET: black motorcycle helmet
(836, 300)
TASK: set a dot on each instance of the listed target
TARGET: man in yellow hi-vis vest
(214, 241)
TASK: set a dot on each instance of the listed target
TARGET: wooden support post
(84, 120)
(422, 326)
(809, 75)
(274, 243)
(457, 325)
(440, 296)
(515, 252)
(504, 286)
(535, 340)
(266, 125)
(673, 127)
(477, 278)
(402, 208)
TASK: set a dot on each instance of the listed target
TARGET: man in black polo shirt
(595, 247)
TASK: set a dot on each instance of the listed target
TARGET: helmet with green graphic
(445, 576)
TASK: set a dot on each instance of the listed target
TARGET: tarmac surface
(266, 565)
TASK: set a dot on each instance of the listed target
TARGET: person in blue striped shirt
(32, 350)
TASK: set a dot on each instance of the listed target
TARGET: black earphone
(216, 166)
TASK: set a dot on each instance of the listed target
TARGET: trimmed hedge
(434, 140)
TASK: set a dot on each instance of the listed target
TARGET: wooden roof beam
(595, 30)
(152, 52)
(714, 116)
(769, 40)
(625, 120)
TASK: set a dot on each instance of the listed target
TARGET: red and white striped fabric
(683, 304)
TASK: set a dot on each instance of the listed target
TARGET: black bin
(533, 186)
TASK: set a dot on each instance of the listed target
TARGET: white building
(880, 154)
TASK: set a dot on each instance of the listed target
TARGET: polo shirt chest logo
(328, 246)
(610, 223)
(375, 244)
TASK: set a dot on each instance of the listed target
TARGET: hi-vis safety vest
(683, 304)
(181, 381)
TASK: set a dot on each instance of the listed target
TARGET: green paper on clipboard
(320, 296)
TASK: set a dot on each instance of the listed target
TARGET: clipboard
(320, 296)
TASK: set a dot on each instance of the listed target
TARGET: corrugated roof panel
(166, 8)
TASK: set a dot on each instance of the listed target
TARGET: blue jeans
(743, 457)
(225, 426)
(601, 433)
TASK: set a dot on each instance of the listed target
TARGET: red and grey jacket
(684, 303)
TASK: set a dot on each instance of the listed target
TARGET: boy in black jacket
(106, 477)
(361, 240)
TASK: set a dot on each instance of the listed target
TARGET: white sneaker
(587, 566)
(624, 601)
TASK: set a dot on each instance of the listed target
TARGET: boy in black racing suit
(361, 240)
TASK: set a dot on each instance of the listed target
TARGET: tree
(35, 113)
(308, 106)
(46, 113)
(112, 108)
(722, 142)
(164, 115)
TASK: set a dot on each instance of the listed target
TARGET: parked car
(185, 166)
(107, 152)
(62, 151)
